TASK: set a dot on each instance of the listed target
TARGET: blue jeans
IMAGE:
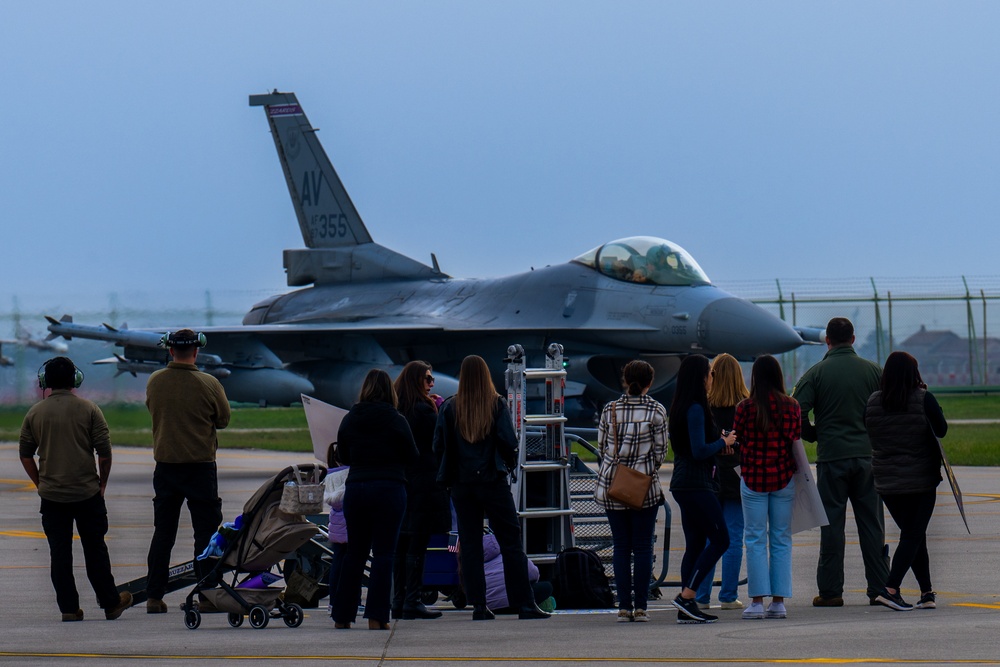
(706, 537)
(632, 535)
(339, 551)
(732, 560)
(767, 518)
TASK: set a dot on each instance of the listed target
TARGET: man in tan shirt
(66, 431)
(187, 407)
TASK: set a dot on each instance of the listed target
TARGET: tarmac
(964, 629)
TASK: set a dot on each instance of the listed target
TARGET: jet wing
(150, 338)
(274, 364)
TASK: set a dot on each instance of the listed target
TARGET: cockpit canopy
(645, 259)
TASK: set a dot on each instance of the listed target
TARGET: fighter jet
(24, 338)
(363, 305)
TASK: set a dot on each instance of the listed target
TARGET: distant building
(945, 358)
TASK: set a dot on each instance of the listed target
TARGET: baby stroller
(267, 535)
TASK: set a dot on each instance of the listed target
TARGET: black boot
(531, 611)
(481, 613)
(419, 611)
(413, 606)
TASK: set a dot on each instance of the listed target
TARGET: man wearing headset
(187, 407)
(66, 431)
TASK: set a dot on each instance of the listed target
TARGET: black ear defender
(77, 373)
(183, 338)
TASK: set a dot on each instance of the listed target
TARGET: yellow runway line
(27, 533)
(977, 606)
(24, 484)
(525, 659)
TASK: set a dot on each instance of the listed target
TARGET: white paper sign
(324, 422)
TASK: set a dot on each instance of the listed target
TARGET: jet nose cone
(744, 329)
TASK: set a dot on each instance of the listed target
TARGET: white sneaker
(735, 604)
(776, 610)
(754, 612)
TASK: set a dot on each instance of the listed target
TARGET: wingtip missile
(119, 336)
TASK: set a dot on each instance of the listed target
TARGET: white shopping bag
(807, 508)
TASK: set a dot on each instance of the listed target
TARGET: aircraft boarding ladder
(541, 486)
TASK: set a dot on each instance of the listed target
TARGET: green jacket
(836, 390)
(187, 407)
(65, 431)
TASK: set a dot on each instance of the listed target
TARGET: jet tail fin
(327, 216)
(338, 245)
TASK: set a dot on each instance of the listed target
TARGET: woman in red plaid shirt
(766, 424)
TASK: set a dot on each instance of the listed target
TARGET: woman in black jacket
(375, 441)
(904, 422)
(427, 508)
(695, 440)
(476, 445)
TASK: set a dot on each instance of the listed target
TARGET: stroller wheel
(235, 620)
(259, 617)
(458, 599)
(192, 619)
(429, 596)
(293, 616)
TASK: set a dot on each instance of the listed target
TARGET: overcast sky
(770, 139)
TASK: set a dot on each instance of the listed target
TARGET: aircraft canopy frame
(645, 259)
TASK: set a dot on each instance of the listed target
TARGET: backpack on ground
(580, 580)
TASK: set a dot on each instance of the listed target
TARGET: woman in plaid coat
(636, 426)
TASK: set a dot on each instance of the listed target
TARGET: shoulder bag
(628, 486)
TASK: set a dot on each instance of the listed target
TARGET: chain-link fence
(944, 322)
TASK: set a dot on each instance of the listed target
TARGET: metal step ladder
(541, 487)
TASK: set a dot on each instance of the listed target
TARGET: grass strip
(285, 429)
